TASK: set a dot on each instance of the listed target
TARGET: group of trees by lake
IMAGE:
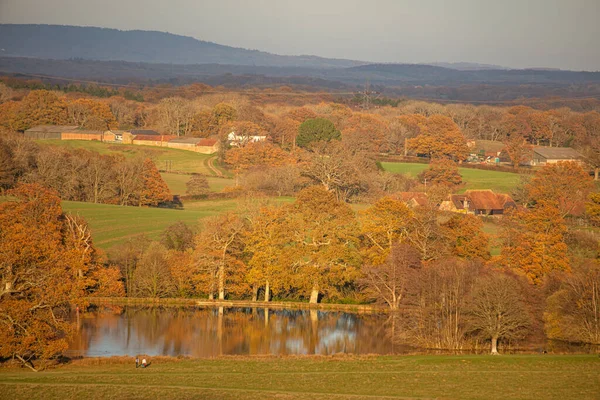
(455, 284)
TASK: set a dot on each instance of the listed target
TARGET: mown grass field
(423, 377)
(111, 224)
(176, 182)
(165, 158)
(474, 179)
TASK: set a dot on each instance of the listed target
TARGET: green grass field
(110, 224)
(405, 377)
(165, 158)
(475, 179)
(177, 182)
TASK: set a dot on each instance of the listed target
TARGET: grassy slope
(447, 377)
(180, 160)
(110, 223)
(500, 182)
(177, 182)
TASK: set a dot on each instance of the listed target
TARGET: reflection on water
(207, 332)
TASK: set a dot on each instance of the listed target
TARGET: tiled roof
(207, 142)
(557, 153)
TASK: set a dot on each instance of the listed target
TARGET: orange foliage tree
(441, 171)
(565, 183)
(155, 190)
(40, 107)
(534, 241)
(439, 137)
(382, 225)
(322, 243)
(46, 265)
(466, 237)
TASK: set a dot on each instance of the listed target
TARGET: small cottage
(478, 202)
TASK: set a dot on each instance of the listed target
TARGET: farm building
(478, 202)
(551, 155)
(152, 140)
(127, 137)
(199, 145)
(82, 134)
(48, 131)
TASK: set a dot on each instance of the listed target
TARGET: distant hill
(466, 66)
(72, 42)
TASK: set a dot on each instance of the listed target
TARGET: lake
(216, 331)
(209, 332)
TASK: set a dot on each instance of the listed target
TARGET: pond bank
(276, 305)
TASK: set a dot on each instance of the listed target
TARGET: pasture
(164, 158)
(474, 179)
(176, 182)
(361, 377)
(111, 224)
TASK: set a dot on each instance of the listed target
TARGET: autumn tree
(592, 208)
(197, 186)
(565, 183)
(573, 312)
(384, 224)
(323, 242)
(217, 245)
(466, 237)
(153, 278)
(425, 233)
(155, 190)
(178, 237)
(518, 150)
(387, 282)
(257, 155)
(40, 276)
(338, 169)
(441, 171)
(264, 240)
(316, 130)
(176, 115)
(496, 309)
(533, 241)
(40, 107)
(439, 137)
(91, 114)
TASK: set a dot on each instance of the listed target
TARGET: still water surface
(208, 332)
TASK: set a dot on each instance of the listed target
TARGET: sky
(513, 33)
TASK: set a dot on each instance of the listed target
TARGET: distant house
(552, 155)
(478, 202)
(413, 199)
(48, 131)
(198, 145)
(113, 136)
(241, 140)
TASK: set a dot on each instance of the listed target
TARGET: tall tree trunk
(254, 292)
(267, 291)
(596, 173)
(495, 345)
(314, 295)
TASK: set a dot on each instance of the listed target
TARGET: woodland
(346, 236)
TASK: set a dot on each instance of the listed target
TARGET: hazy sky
(515, 33)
